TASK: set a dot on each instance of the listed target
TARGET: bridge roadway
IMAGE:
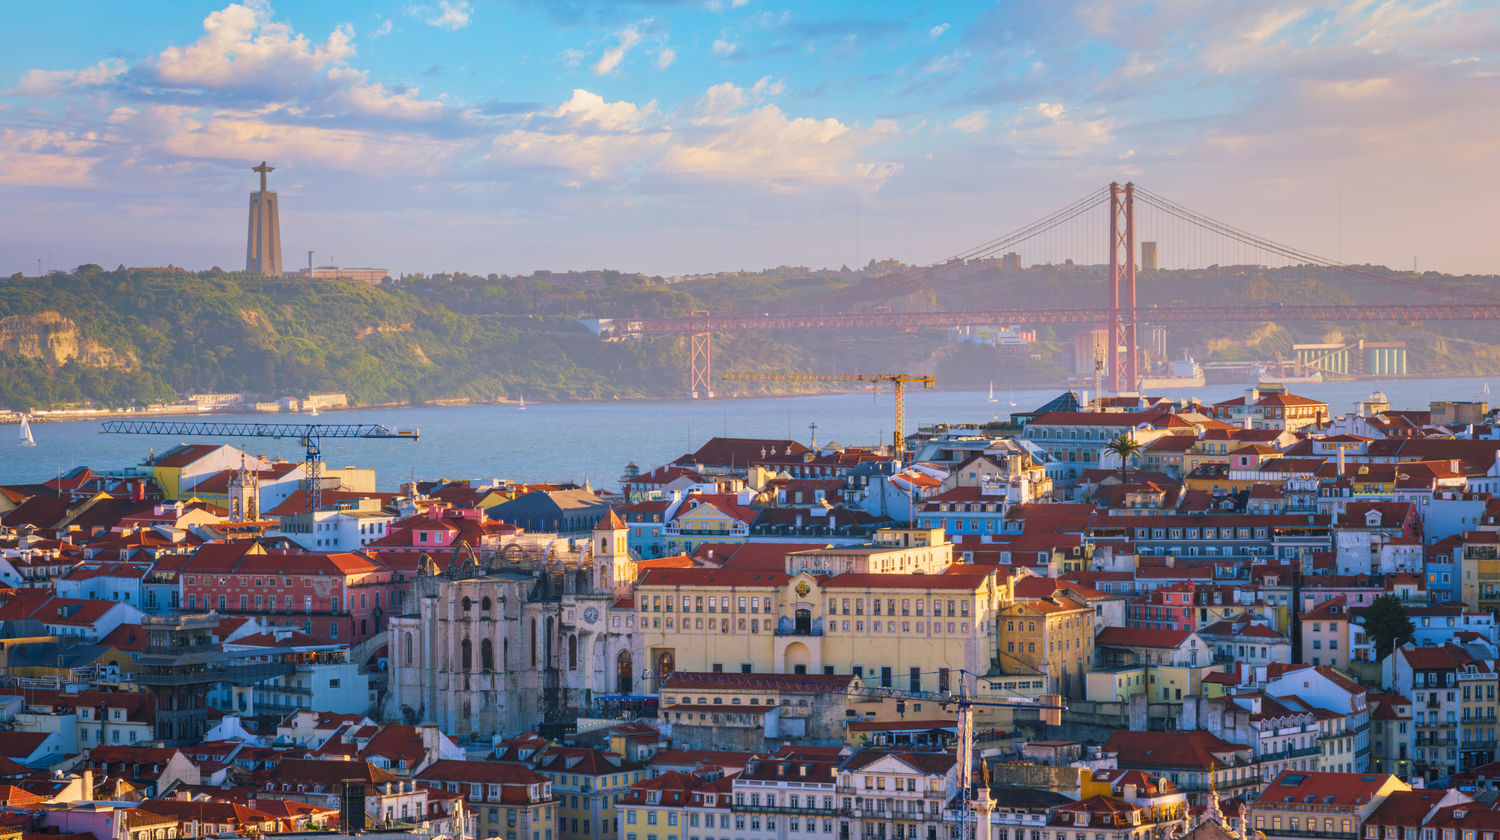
(641, 327)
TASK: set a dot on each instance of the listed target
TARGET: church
(532, 635)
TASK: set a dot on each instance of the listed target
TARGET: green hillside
(115, 338)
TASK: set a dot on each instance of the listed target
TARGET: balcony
(799, 631)
(801, 810)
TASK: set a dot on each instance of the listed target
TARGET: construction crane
(309, 434)
(898, 381)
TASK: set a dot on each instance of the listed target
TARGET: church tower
(263, 245)
(244, 495)
(613, 568)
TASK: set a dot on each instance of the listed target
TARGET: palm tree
(1123, 447)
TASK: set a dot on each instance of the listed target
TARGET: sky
(687, 136)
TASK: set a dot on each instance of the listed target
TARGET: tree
(1123, 447)
(1387, 624)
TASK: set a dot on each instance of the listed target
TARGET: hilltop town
(1120, 618)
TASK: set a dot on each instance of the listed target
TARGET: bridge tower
(700, 361)
(1124, 354)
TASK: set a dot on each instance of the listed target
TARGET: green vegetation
(133, 336)
(1387, 624)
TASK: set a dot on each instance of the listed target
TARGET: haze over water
(596, 440)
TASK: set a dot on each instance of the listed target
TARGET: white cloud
(768, 87)
(625, 39)
(243, 46)
(571, 57)
(586, 108)
(382, 30)
(451, 15)
(55, 82)
(724, 48)
(971, 123)
(937, 31)
(665, 57)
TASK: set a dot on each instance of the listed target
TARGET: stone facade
(530, 634)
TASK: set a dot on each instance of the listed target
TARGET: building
(1330, 806)
(507, 800)
(905, 794)
(1050, 637)
(892, 630)
(587, 783)
(263, 244)
(563, 605)
(754, 712)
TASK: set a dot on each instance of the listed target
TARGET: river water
(573, 441)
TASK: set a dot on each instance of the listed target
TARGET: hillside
(115, 338)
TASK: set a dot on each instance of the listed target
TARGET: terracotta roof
(1192, 750)
(1140, 637)
(1324, 788)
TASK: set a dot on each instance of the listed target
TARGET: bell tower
(244, 494)
(613, 568)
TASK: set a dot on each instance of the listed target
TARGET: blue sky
(696, 135)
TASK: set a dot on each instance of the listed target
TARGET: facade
(1051, 637)
(1331, 806)
(891, 630)
(535, 633)
(508, 801)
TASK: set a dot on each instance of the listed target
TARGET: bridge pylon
(700, 357)
(1123, 351)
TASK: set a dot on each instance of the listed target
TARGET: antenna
(309, 264)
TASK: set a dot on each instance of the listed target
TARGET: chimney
(1341, 461)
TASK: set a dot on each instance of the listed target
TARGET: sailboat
(992, 391)
(522, 405)
(1012, 398)
(26, 439)
(314, 411)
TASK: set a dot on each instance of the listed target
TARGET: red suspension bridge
(1199, 239)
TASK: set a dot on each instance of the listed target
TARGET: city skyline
(670, 137)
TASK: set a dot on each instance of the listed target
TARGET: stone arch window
(547, 643)
(487, 655)
(533, 641)
(624, 665)
(573, 652)
(486, 604)
(467, 655)
(406, 642)
(468, 604)
(666, 663)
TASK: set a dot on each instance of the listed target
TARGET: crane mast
(308, 434)
(898, 382)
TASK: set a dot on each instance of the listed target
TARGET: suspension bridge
(1103, 230)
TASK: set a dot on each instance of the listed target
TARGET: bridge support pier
(700, 358)
(1123, 351)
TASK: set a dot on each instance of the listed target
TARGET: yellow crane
(898, 381)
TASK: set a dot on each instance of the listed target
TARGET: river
(596, 440)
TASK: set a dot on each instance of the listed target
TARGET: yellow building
(1052, 637)
(907, 631)
(1479, 566)
(587, 782)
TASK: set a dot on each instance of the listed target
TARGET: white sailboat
(1012, 398)
(992, 391)
(522, 405)
(26, 439)
(314, 411)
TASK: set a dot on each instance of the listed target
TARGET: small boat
(522, 405)
(314, 411)
(26, 439)
(1012, 399)
(992, 391)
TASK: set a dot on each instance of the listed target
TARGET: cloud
(665, 57)
(625, 39)
(937, 31)
(451, 15)
(724, 48)
(242, 46)
(571, 57)
(971, 123)
(55, 82)
(382, 30)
